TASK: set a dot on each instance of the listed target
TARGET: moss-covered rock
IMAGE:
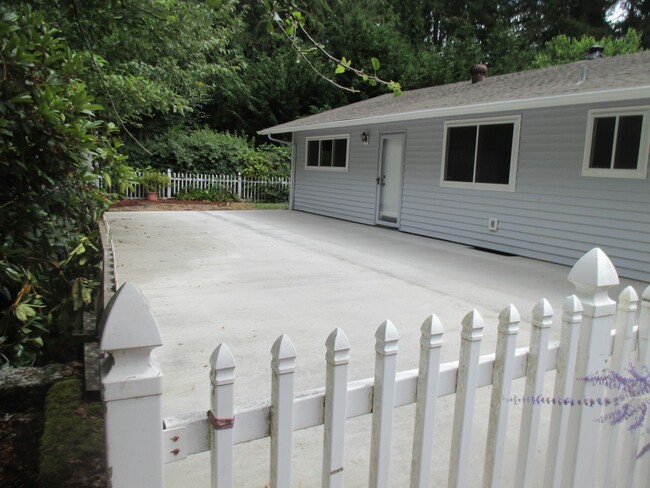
(24, 389)
(72, 446)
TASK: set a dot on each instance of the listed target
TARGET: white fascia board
(618, 95)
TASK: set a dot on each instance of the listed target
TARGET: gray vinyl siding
(554, 214)
(347, 195)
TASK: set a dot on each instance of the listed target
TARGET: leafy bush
(268, 161)
(152, 179)
(200, 151)
(213, 194)
(52, 149)
(274, 193)
(206, 151)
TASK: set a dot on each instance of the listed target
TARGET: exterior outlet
(493, 224)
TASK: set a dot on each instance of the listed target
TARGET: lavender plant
(628, 402)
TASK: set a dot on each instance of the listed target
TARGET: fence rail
(274, 189)
(596, 332)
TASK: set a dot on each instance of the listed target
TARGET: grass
(72, 446)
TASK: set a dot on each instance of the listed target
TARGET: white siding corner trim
(514, 153)
(644, 144)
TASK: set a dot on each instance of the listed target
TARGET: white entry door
(389, 180)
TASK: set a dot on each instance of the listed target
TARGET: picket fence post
(535, 370)
(383, 402)
(221, 416)
(283, 365)
(336, 389)
(131, 391)
(643, 358)
(427, 394)
(502, 375)
(625, 317)
(239, 185)
(592, 276)
(566, 363)
(471, 336)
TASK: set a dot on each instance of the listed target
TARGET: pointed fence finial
(338, 347)
(223, 365)
(127, 322)
(472, 326)
(543, 314)
(592, 276)
(572, 309)
(387, 339)
(284, 355)
(431, 331)
(509, 319)
(627, 299)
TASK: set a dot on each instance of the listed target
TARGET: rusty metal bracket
(220, 424)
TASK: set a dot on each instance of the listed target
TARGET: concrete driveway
(245, 277)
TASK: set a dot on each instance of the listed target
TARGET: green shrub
(213, 194)
(206, 151)
(151, 180)
(52, 148)
(274, 193)
(200, 151)
(268, 161)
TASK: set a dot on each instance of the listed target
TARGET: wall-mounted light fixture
(364, 137)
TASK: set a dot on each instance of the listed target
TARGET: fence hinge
(174, 444)
(220, 424)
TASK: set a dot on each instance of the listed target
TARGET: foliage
(52, 149)
(203, 150)
(77, 425)
(268, 161)
(562, 49)
(628, 399)
(151, 180)
(274, 193)
(158, 57)
(212, 194)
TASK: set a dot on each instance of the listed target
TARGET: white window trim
(328, 138)
(641, 170)
(514, 155)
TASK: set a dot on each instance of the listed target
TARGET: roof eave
(615, 95)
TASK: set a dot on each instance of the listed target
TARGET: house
(546, 163)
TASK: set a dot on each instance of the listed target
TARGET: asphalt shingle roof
(597, 75)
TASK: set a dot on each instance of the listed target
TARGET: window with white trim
(328, 153)
(616, 145)
(481, 154)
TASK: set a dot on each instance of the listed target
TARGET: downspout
(293, 165)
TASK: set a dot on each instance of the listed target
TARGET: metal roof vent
(478, 72)
(595, 52)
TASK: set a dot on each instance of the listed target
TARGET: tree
(156, 60)
(563, 49)
(635, 14)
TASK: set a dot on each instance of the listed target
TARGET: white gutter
(618, 95)
(279, 141)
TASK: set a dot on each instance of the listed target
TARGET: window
(616, 145)
(481, 154)
(329, 153)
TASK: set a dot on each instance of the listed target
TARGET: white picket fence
(596, 333)
(246, 189)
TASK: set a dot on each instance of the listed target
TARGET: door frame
(383, 135)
